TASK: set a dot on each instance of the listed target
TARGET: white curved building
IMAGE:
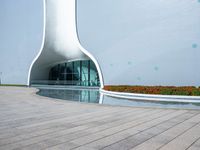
(61, 46)
(97, 43)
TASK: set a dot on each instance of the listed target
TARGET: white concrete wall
(138, 42)
(21, 25)
(60, 40)
(143, 42)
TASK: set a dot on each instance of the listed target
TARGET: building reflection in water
(94, 96)
(80, 95)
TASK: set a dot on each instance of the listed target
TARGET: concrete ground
(31, 122)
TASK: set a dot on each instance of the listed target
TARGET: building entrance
(79, 73)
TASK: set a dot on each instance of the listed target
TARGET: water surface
(94, 96)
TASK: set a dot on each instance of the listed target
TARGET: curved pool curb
(152, 97)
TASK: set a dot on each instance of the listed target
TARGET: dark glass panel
(75, 73)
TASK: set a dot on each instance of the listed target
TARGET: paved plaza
(32, 122)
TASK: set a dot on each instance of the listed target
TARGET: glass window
(82, 72)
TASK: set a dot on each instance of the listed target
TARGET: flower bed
(163, 90)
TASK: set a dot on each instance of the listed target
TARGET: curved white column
(60, 40)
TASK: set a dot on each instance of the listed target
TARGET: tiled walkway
(28, 121)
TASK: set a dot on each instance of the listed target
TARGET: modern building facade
(78, 73)
(62, 59)
(96, 43)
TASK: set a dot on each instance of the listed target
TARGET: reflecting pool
(94, 96)
(79, 95)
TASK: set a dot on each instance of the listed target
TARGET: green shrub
(163, 90)
(196, 92)
(166, 91)
(179, 92)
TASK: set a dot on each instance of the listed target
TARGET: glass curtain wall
(80, 73)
